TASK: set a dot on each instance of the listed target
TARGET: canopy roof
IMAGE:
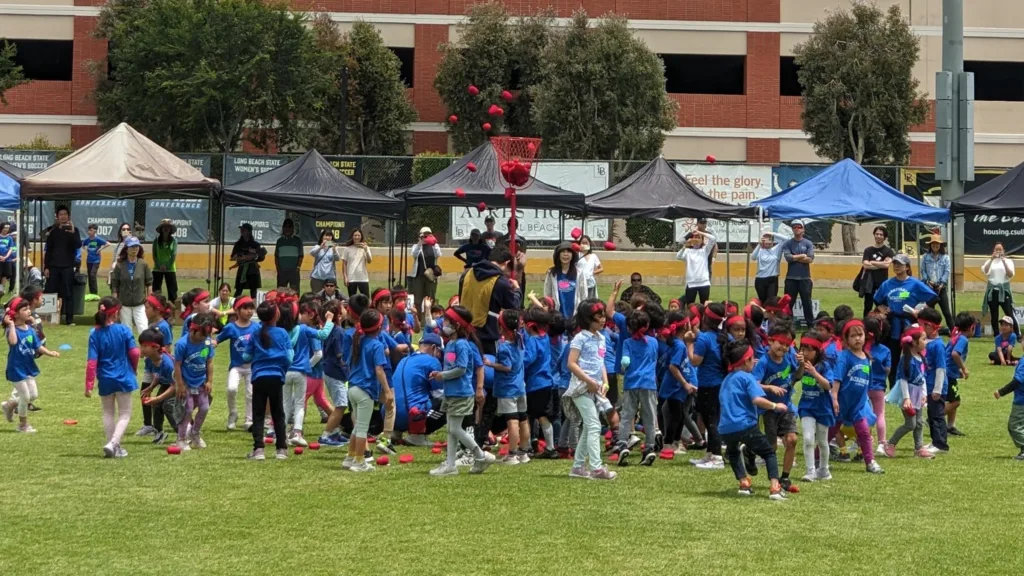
(485, 185)
(13, 171)
(10, 192)
(310, 185)
(846, 191)
(121, 162)
(1003, 194)
(658, 190)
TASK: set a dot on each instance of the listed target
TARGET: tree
(377, 111)
(10, 73)
(494, 53)
(204, 74)
(859, 93)
(602, 95)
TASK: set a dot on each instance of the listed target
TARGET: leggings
(268, 390)
(295, 398)
(691, 295)
(114, 430)
(709, 408)
(158, 410)
(766, 288)
(677, 416)
(863, 438)
(236, 376)
(200, 400)
(913, 424)
(315, 390)
(27, 392)
(457, 436)
(877, 398)
(815, 435)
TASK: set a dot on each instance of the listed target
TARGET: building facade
(728, 63)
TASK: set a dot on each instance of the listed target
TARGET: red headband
(927, 324)
(598, 308)
(782, 339)
(199, 298)
(731, 309)
(908, 335)
(532, 325)
(852, 324)
(812, 343)
(452, 315)
(735, 320)
(639, 334)
(549, 301)
(502, 323)
(380, 296)
(155, 303)
(453, 300)
(400, 295)
(372, 329)
(110, 312)
(746, 356)
(12, 306)
(827, 322)
(676, 301)
(711, 314)
(243, 301)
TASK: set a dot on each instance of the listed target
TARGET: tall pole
(343, 134)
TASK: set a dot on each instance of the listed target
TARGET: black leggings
(358, 288)
(158, 411)
(993, 311)
(709, 408)
(269, 389)
(766, 288)
(172, 284)
(613, 389)
(677, 415)
(703, 293)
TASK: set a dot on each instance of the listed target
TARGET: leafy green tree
(206, 74)
(495, 52)
(378, 109)
(859, 93)
(10, 73)
(602, 95)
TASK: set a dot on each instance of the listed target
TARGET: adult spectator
(935, 273)
(892, 298)
(562, 281)
(63, 243)
(636, 287)
(489, 232)
(998, 271)
(354, 258)
(330, 292)
(768, 255)
(589, 266)
(520, 252)
(124, 231)
(874, 268)
(696, 251)
(486, 290)
(476, 250)
(288, 255)
(165, 252)
(247, 255)
(8, 257)
(132, 283)
(799, 253)
(417, 395)
(324, 254)
(702, 227)
(425, 269)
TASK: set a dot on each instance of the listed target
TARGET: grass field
(70, 511)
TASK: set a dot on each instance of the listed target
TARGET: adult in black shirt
(247, 254)
(63, 243)
(476, 250)
(875, 270)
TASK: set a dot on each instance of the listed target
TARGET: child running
(909, 392)
(956, 366)
(935, 377)
(589, 384)
(239, 331)
(510, 389)
(815, 408)
(113, 360)
(159, 368)
(851, 377)
(741, 396)
(459, 391)
(776, 372)
(1016, 422)
(193, 376)
(24, 344)
(269, 354)
(639, 389)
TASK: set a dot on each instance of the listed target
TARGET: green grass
(70, 511)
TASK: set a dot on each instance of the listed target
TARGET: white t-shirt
(354, 258)
(997, 272)
(697, 273)
(585, 267)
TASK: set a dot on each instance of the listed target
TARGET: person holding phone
(63, 244)
(325, 255)
(247, 255)
(998, 270)
(354, 258)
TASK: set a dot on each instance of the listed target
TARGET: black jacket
(503, 297)
(61, 247)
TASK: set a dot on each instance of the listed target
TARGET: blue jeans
(589, 445)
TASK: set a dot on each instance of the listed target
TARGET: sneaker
(1019, 456)
(464, 459)
(146, 431)
(745, 488)
(881, 450)
(384, 446)
(602, 473)
(858, 457)
(624, 457)
(786, 484)
(833, 452)
(109, 450)
(297, 440)
(954, 431)
(922, 453)
(418, 440)
(361, 467)
(581, 472)
(9, 411)
(281, 454)
(874, 468)
(705, 458)
(121, 452)
(811, 476)
(548, 454)
(934, 450)
(632, 442)
(183, 445)
(326, 440)
(649, 459)
(889, 451)
(445, 470)
(256, 454)
(159, 438)
(714, 463)
(679, 449)
(824, 474)
(659, 442)
(32, 407)
(348, 463)
(481, 464)
(843, 457)
(749, 462)
(232, 420)
(26, 429)
(197, 441)
(524, 458)
(777, 495)
(510, 460)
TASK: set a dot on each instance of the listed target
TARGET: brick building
(728, 64)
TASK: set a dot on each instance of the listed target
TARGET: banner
(981, 231)
(351, 166)
(201, 162)
(734, 184)
(34, 160)
(45, 209)
(190, 217)
(240, 168)
(266, 223)
(819, 232)
(583, 177)
(340, 225)
(107, 215)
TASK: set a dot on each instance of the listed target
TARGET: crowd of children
(696, 379)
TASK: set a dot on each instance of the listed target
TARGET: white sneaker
(679, 449)
(146, 431)
(701, 460)
(875, 468)
(524, 458)
(465, 458)
(445, 470)
(811, 476)
(297, 440)
(824, 474)
(121, 453)
(931, 448)
(880, 451)
(632, 442)
(183, 445)
(232, 420)
(197, 441)
(9, 411)
(481, 464)
(348, 463)
(26, 429)
(418, 440)
(364, 467)
(510, 460)
(109, 450)
(711, 465)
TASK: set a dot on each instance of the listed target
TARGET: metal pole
(728, 264)
(953, 61)
(209, 243)
(746, 281)
(18, 237)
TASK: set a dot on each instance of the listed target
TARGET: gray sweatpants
(646, 402)
(913, 424)
(1016, 425)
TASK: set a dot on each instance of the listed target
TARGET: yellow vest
(476, 297)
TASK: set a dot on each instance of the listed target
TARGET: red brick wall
(425, 98)
(790, 108)
(429, 142)
(87, 49)
(38, 97)
(762, 79)
(711, 111)
(922, 154)
(82, 135)
(763, 151)
(703, 10)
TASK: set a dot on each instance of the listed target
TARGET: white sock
(549, 434)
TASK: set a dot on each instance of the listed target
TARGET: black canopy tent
(309, 185)
(1003, 194)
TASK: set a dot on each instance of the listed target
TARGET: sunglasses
(635, 280)
(328, 285)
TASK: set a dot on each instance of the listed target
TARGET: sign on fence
(34, 160)
(266, 223)
(201, 162)
(798, 309)
(240, 168)
(583, 177)
(190, 217)
(107, 215)
(340, 225)
(734, 184)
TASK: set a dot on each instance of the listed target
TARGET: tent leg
(952, 262)
(746, 280)
(728, 264)
(403, 271)
(209, 242)
(220, 246)
(17, 262)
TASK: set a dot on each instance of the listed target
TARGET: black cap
(246, 226)
(702, 220)
(288, 223)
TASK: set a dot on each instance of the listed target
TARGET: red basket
(515, 156)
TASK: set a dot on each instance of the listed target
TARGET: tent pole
(746, 281)
(952, 273)
(17, 261)
(728, 264)
(917, 247)
(220, 245)
(209, 241)
(403, 272)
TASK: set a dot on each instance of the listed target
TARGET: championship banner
(981, 231)
(107, 215)
(266, 223)
(190, 218)
(34, 160)
(584, 177)
(785, 177)
(201, 162)
(45, 213)
(340, 225)
(242, 167)
(734, 184)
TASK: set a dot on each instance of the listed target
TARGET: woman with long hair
(998, 270)
(935, 273)
(165, 251)
(562, 283)
(354, 258)
(325, 254)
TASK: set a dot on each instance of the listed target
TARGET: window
(45, 59)
(408, 58)
(704, 74)
(1001, 81)
(789, 85)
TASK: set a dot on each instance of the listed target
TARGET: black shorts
(953, 394)
(778, 425)
(7, 270)
(541, 403)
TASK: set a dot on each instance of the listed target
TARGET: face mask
(585, 247)
(490, 243)
(124, 233)
(448, 331)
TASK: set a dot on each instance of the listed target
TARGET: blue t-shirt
(185, 323)
(641, 374)
(8, 243)
(854, 377)
(21, 357)
(193, 358)
(92, 249)
(1018, 375)
(619, 320)
(566, 295)
(457, 354)
(881, 365)
(109, 346)
(772, 373)
(815, 402)
(302, 337)
(709, 372)
(677, 356)
(438, 327)
(337, 349)
(316, 371)
(537, 363)
(1006, 343)
(915, 372)
(413, 385)
(273, 360)
(935, 359)
(896, 293)
(239, 338)
(831, 351)
(164, 373)
(739, 389)
(165, 331)
(559, 362)
(363, 375)
(958, 344)
(611, 344)
(509, 384)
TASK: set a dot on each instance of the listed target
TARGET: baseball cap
(245, 226)
(1006, 320)
(796, 223)
(431, 339)
(426, 230)
(702, 220)
(132, 241)
(902, 259)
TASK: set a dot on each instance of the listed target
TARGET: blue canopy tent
(10, 192)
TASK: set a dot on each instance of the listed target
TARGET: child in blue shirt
(540, 386)
(113, 360)
(851, 376)
(679, 385)
(742, 398)
(158, 310)
(21, 360)
(639, 389)
(159, 371)
(458, 377)
(956, 366)
(777, 371)
(815, 408)
(1016, 422)
(238, 332)
(935, 378)
(909, 392)
(510, 388)
(367, 382)
(193, 375)
(336, 350)
(269, 353)
(1004, 344)
(93, 245)
(567, 433)
(706, 354)
(295, 384)
(881, 363)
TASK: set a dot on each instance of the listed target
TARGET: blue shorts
(338, 391)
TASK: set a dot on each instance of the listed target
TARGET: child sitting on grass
(1004, 343)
